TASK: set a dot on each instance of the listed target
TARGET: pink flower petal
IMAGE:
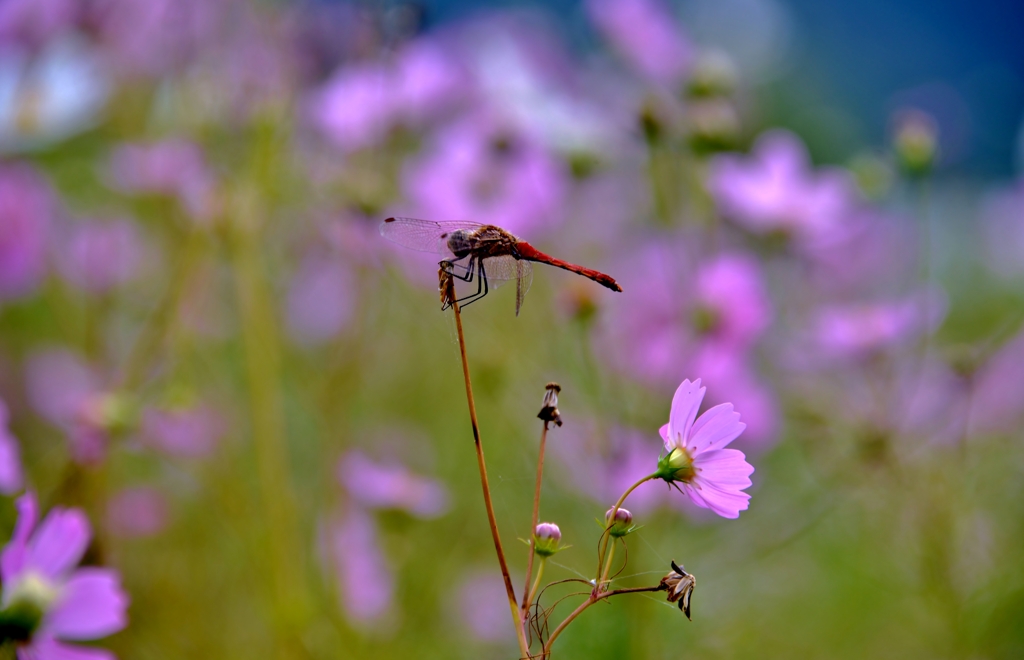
(724, 467)
(59, 543)
(714, 429)
(92, 605)
(47, 648)
(13, 558)
(685, 404)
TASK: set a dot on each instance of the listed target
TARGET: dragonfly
(486, 254)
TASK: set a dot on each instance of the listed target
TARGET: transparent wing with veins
(432, 236)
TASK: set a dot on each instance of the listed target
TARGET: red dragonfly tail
(530, 253)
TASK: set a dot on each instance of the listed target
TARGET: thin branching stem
(527, 591)
(492, 522)
(594, 597)
(602, 570)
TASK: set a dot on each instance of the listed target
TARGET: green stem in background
(524, 646)
(147, 345)
(527, 592)
(602, 573)
(262, 355)
(532, 591)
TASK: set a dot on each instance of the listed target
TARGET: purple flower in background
(68, 393)
(677, 310)
(482, 607)
(391, 486)
(320, 299)
(366, 584)
(482, 169)
(11, 478)
(137, 512)
(736, 381)
(712, 476)
(360, 104)
(156, 37)
(775, 190)
(189, 432)
(26, 210)
(99, 256)
(646, 34)
(32, 23)
(997, 398)
(176, 168)
(857, 329)
(45, 598)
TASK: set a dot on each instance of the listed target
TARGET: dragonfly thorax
(461, 243)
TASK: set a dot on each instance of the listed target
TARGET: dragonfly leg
(481, 287)
(470, 267)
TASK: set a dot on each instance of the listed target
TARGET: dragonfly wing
(523, 282)
(422, 235)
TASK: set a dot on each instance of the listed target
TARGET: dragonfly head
(460, 243)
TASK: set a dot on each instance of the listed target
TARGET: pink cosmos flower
(859, 329)
(391, 486)
(644, 32)
(484, 169)
(46, 598)
(366, 583)
(100, 256)
(26, 211)
(10, 456)
(175, 167)
(711, 475)
(775, 190)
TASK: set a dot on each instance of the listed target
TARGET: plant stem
(524, 647)
(593, 598)
(261, 343)
(602, 574)
(536, 583)
(527, 592)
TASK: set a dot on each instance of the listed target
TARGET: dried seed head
(549, 407)
(680, 585)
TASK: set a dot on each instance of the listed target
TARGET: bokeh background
(817, 208)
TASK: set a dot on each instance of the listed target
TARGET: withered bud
(445, 284)
(679, 585)
(549, 407)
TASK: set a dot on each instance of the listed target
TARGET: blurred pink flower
(360, 104)
(646, 34)
(31, 23)
(711, 475)
(65, 390)
(737, 382)
(482, 606)
(190, 432)
(156, 37)
(176, 168)
(11, 478)
(366, 583)
(853, 330)
(38, 570)
(997, 398)
(26, 211)
(391, 486)
(320, 299)
(775, 190)
(484, 170)
(676, 310)
(137, 512)
(99, 256)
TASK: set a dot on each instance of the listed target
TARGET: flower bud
(547, 539)
(916, 141)
(621, 524)
(677, 465)
(714, 75)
